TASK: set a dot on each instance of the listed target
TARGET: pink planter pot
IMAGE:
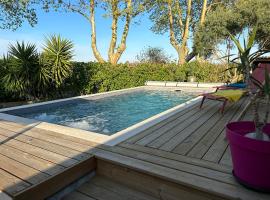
(250, 157)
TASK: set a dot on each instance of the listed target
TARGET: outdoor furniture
(258, 77)
(224, 96)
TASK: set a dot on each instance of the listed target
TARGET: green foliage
(13, 14)
(122, 76)
(245, 56)
(22, 71)
(204, 71)
(235, 17)
(57, 54)
(153, 55)
(78, 82)
(30, 75)
(87, 78)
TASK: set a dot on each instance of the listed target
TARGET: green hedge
(107, 77)
(87, 78)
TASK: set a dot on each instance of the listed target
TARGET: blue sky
(76, 28)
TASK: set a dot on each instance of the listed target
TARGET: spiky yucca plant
(245, 65)
(58, 53)
(23, 71)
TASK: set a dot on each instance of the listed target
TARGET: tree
(180, 18)
(237, 17)
(124, 10)
(13, 14)
(153, 55)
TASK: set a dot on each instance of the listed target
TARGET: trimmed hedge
(105, 77)
(92, 77)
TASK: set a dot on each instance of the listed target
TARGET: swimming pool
(108, 115)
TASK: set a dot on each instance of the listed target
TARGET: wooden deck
(183, 157)
(35, 163)
(190, 149)
(103, 188)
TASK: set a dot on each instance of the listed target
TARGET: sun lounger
(229, 94)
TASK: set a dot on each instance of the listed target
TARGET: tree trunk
(182, 54)
(115, 56)
(182, 48)
(115, 15)
(203, 13)
(93, 33)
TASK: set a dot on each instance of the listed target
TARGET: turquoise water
(112, 114)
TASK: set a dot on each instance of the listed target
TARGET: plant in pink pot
(250, 140)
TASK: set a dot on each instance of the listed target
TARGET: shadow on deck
(185, 156)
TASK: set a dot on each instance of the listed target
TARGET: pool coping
(112, 140)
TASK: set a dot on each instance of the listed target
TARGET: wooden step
(102, 188)
(170, 180)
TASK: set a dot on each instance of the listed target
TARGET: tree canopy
(181, 19)
(13, 13)
(116, 10)
(153, 55)
(195, 27)
(235, 17)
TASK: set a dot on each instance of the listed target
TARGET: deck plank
(56, 148)
(221, 189)
(22, 171)
(48, 136)
(188, 143)
(36, 163)
(67, 138)
(144, 133)
(78, 196)
(11, 184)
(218, 148)
(226, 158)
(173, 164)
(39, 152)
(159, 131)
(194, 124)
(177, 157)
(183, 123)
(123, 190)
(200, 143)
(30, 160)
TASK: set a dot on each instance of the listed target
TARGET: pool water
(111, 114)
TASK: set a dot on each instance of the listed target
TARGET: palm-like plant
(245, 56)
(23, 73)
(245, 65)
(58, 53)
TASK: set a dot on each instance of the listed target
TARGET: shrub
(57, 54)
(21, 71)
(109, 77)
(92, 77)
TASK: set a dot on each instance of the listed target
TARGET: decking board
(35, 164)
(202, 117)
(185, 120)
(205, 142)
(188, 150)
(198, 148)
(149, 139)
(216, 121)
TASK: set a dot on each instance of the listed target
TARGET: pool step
(146, 182)
(103, 188)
